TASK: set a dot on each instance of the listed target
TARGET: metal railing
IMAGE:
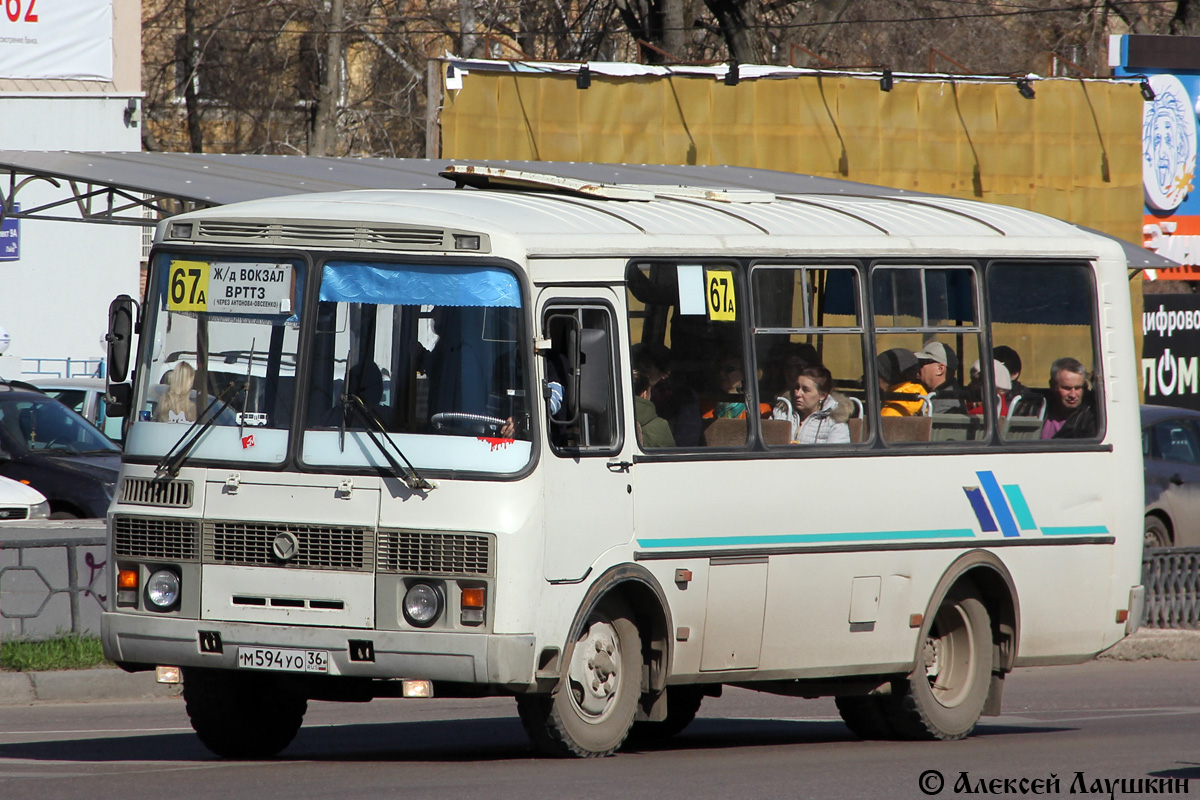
(1171, 576)
(42, 564)
(63, 367)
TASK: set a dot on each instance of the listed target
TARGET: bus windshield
(420, 358)
(224, 336)
(427, 356)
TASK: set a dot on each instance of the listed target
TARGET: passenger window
(927, 340)
(808, 345)
(578, 384)
(1043, 330)
(685, 325)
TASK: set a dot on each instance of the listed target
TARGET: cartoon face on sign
(1168, 144)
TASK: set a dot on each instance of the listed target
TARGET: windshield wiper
(169, 466)
(409, 476)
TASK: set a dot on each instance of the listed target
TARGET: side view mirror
(593, 370)
(118, 398)
(584, 356)
(120, 337)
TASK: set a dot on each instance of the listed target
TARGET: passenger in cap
(935, 371)
(901, 392)
(1001, 382)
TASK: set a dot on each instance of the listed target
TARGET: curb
(110, 684)
(1148, 643)
(81, 686)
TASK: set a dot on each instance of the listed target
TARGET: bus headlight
(162, 590)
(422, 605)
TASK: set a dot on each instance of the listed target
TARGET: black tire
(63, 515)
(590, 713)
(865, 715)
(944, 695)
(242, 715)
(1156, 534)
(683, 703)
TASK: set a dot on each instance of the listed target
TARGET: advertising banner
(1171, 350)
(56, 39)
(1170, 66)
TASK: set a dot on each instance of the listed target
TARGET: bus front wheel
(944, 695)
(592, 710)
(242, 715)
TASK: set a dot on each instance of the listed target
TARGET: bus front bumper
(494, 659)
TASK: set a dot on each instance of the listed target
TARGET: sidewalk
(103, 684)
(110, 684)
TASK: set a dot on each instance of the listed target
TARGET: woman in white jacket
(816, 415)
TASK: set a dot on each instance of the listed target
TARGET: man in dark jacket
(1072, 413)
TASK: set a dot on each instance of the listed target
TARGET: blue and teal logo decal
(1003, 508)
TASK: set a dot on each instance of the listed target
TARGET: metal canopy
(142, 188)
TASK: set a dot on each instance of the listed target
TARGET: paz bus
(386, 444)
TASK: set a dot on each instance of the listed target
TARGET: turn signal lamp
(472, 602)
(127, 587)
(472, 597)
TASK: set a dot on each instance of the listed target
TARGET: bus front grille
(151, 492)
(315, 546)
(155, 537)
(13, 513)
(425, 553)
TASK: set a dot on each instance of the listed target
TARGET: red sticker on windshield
(248, 442)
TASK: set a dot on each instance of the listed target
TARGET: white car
(21, 502)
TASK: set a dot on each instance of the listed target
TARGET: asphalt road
(1106, 720)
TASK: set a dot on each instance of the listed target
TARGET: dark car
(56, 451)
(1171, 454)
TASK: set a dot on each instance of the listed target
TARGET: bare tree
(346, 77)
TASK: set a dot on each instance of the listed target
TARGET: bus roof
(545, 216)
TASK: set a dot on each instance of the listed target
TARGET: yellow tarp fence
(1073, 152)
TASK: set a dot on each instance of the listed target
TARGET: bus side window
(1043, 318)
(927, 335)
(578, 381)
(686, 325)
(808, 318)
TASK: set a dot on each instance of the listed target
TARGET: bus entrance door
(588, 478)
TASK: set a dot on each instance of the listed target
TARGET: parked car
(1171, 454)
(56, 451)
(21, 502)
(85, 396)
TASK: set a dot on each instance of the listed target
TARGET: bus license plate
(280, 660)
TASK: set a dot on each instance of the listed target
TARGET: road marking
(87, 731)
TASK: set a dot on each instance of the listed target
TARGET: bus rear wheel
(242, 715)
(944, 695)
(592, 710)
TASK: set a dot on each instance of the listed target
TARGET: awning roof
(140, 188)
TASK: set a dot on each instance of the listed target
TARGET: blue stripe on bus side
(986, 523)
(1016, 499)
(805, 538)
(999, 505)
(1075, 530)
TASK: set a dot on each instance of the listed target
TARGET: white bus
(386, 443)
